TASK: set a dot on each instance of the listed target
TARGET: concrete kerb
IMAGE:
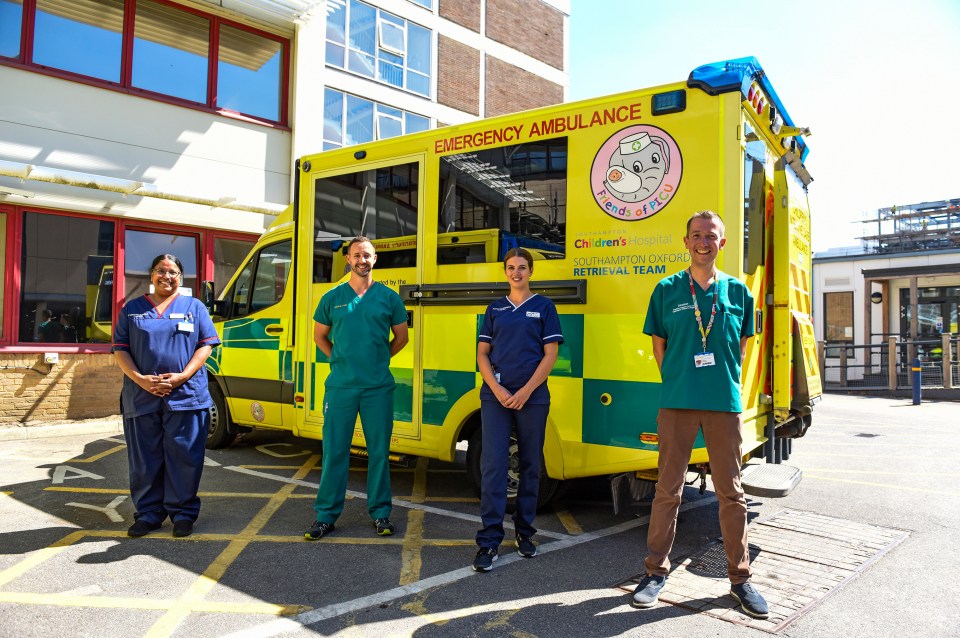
(44, 430)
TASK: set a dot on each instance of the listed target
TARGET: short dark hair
(519, 252)
(166, 257)
(359, 239)
(706, 214)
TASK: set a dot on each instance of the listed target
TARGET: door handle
(275, 329)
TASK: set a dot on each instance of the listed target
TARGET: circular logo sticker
(257, 411)
(636, 172)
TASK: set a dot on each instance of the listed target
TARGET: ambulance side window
(262, 281)
(378, 203)
(495, 199)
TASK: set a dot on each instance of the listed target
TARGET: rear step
(768, 479)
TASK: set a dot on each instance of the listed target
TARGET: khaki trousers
(677, 430)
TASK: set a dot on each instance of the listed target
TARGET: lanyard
(696, 309)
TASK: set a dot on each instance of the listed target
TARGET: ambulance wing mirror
(209, 294)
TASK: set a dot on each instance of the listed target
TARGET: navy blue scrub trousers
(498, 421)
(166, 451)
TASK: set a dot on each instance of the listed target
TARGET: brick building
(134, 127)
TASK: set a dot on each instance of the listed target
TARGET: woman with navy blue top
(517, 347)
(161, 341)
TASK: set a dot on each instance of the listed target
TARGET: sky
(877, 82)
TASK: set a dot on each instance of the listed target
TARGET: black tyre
(222, 433)
(548, 486)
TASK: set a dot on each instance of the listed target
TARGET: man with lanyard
(700, 321)
(353, 324)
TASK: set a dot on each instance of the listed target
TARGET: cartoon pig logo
(637, 167)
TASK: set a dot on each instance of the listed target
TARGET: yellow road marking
(411, 560)
(452, 499)
(885, 485)
(501, 620)
(569, 522)
(169, 622)
(39, 557)
(419, 607)
(97, 457)
(107, 490)
(114, 602)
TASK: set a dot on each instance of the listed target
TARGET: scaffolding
(913, 228)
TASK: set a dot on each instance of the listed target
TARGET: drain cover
(798, 559)
(771, 480)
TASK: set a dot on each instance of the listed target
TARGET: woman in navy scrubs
(516, 349)
(161, 341)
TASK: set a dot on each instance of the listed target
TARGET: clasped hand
(514, 401)
(162, 384)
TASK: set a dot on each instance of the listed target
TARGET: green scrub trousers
(340, 408)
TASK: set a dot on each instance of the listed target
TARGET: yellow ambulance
(599, 191)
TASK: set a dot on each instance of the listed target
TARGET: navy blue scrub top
(158, 343)
(516, 335)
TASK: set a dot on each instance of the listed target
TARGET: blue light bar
(737, 75)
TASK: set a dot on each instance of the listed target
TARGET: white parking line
(298, 622)
(397, 501)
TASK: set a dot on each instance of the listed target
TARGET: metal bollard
(916, 381)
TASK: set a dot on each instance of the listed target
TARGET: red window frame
(25, 61)
(205, 238)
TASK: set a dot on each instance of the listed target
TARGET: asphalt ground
(67, 567)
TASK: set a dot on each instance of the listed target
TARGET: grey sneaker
(525, 547)
(750, 600)
(485, 559)
(318, 531)
(384, 527)
(647, 592)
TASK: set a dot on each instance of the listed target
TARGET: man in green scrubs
(700, 321)
(353, 325)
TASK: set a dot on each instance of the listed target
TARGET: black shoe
(525, 547)
(647, 592)
(318, 531)
(384, 527)
(750, 600)
(485, 558)
(142, 528)
(182, 528)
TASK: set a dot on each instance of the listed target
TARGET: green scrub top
(671, 317)
(360, 332)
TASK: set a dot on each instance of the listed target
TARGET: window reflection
(366, 121)
(140, 249)
(82, 37)
(248, 74)
(228, 254)
(11, 18)
(170, 51)
(496, 199)
(66, 279)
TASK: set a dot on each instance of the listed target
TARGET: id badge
(704, 359)
(184, 326)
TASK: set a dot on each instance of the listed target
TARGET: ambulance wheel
(221, 433)
(548, 486)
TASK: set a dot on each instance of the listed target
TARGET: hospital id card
(184, 326)
(704, 359)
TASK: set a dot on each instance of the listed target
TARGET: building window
(62, 267)
(379, 45)
(249, 72)
(496, 199)
(348, 120)
(80, 37)
(423, 3)
(837, 321)
(64, 292)
(173, 52)
(140, 249)
(11, 19)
